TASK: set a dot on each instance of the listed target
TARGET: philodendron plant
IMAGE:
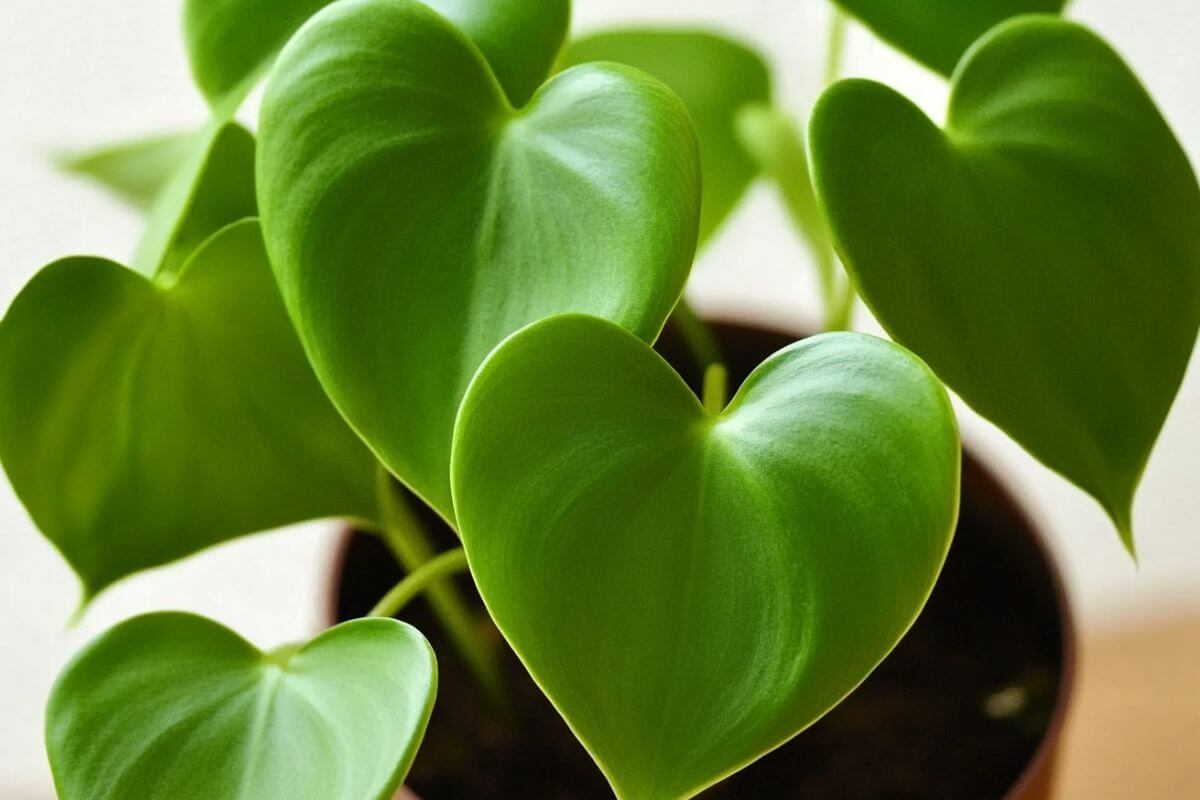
(440, 264)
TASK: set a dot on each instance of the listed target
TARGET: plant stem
(417, 581)
(837, 288)
(778, 148)
(696, 335)
(836, 46)
(715, 379)
(406, 538)
(841, 312)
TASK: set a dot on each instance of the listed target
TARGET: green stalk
(697, 335)
(423, 577)
(773, 141)
(836, 47)
(406, 538)
(715, 389)
(840, 294)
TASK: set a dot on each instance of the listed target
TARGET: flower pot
(969, 706)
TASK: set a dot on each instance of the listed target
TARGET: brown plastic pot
(970, 706)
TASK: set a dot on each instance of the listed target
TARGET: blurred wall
(78, 73)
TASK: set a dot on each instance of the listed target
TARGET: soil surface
(954, 713)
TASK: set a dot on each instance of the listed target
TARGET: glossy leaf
(173, 706)
(691, 589)
(715, 77)
(143, 421)
(938, 32)
(212, 187)
(135, 171)
(1042, 254)
(415, 219)
(232, 43)
(520, 39)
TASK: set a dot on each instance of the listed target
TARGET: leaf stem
(443, 566)
(776, 145)
(406, 538)
(715, 388)
(837, 289)
(696, 334)
(836, 46)
(840, 313)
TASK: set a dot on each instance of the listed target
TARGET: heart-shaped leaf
(1042, 254)
(232, 43)
(212, 187)
(135, 171)
(715, 77)
(938, 32)
(172, 706)
(415, 219)
(690, 589)
(143, 421)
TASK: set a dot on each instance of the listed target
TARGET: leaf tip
(1125, 531)
(85, 602)
(1121, 515)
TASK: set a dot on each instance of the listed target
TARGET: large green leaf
(176, 707)
(1042, 253)
(716, 78)
(135, 171)
(232, 43)
(144, 421)
(414, 218)
(212, 187)
(938, 32)
(692, 589)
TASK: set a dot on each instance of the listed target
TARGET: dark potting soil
(954, 713)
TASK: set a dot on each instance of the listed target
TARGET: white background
(74, 73)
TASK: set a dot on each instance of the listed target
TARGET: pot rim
(1039, 772)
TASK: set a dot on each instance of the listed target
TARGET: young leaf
(1042, 253)
(938, 32)
(692, 589)
(134, 171)
(171, 706)
(415, 219)
(519, 38)
(212, 187)
(716, 78)
(232, 43)
(142, 422)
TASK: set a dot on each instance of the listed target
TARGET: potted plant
(422, 297)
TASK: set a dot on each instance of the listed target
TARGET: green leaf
(414, 219)
(520, 39)
(692, 589)
(172, 706)
(143, 421)
(135, 171)
(938, 32)
(212, 187)
(232, 43)
(715, 77)
(1042, 254)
